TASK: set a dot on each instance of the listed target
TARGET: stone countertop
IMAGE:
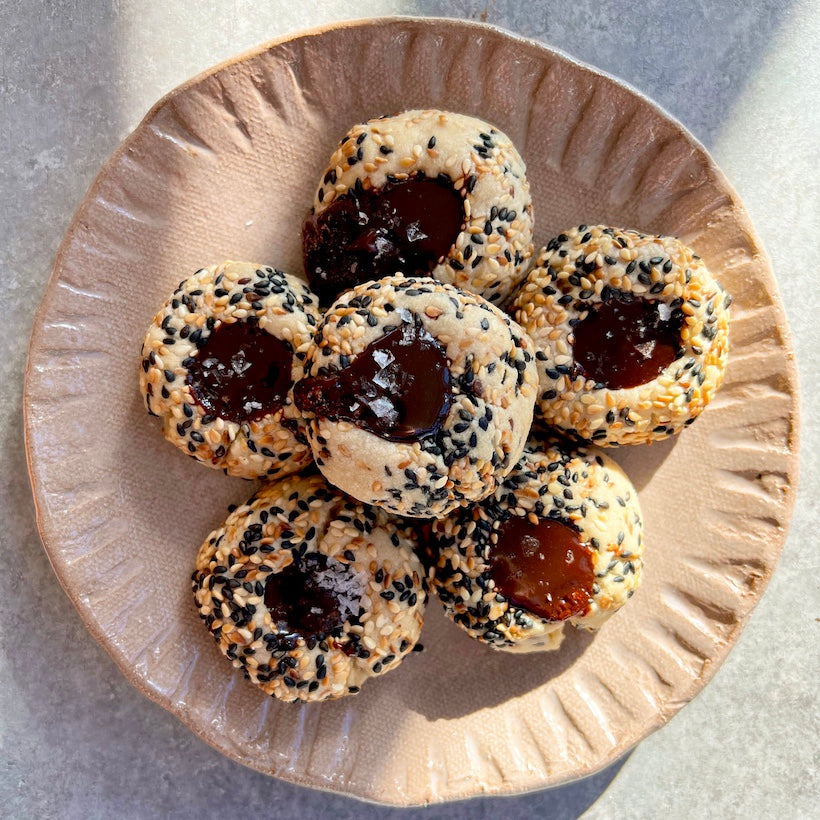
(76, 740)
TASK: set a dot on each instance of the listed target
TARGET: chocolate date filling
(241, 373)
(543, 568)
(406, 226)
(313, 596)
(624, 344)
(397, 388)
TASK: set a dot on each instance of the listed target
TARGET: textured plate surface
(225, 167)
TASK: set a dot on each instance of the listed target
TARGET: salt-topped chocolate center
(315, 595)
(241, 373)
(624, 344)
(543, 568)
(406, 226)
(397, 388)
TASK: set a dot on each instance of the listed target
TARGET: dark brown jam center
(406, 226)
(241, 373)
(624, 344)
(397, 388)
(314, 596)
(543, 568)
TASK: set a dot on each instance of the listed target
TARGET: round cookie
(418, 397)
(218, 366)
(631, 332)
(309, 592)
(559, 541)
(422, 193)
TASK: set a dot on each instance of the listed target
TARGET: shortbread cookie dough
(560, 541)
(632, 334)
(422, 193)
(218, 366)
(418, 397)
(309, 592)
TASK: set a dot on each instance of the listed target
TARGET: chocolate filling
(241, 373)
(543, 568)
(313, 596)
(624, 344)
(397, 388)
(406, 226)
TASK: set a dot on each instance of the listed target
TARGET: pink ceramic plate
(224, 168)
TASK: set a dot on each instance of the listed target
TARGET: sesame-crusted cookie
(631, 332)
(218, 366)
(309, 592)
(422, 193)
(559, 541)
(418, 397)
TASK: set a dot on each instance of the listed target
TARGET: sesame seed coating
(493, 384)
(586, 266)
(491, 253)
(383, 593)
(581, 487)
(273, 445)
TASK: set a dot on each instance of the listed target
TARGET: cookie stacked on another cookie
(418, 397)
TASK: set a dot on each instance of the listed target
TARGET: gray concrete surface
(76, 741)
